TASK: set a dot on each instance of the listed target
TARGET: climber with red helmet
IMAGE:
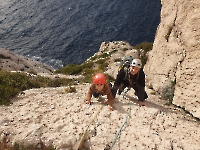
(100, 87)
(132, 77)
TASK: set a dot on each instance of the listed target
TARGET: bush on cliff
(12, 83)
(144, 48)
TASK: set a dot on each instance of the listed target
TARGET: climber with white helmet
(100, 87)
(132, 77)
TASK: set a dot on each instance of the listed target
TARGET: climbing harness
(82, 137)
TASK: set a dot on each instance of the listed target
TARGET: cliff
(176, 54)
(55, 117)
(58, 118)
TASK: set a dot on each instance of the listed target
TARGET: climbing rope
(82, 137)
(123, 125)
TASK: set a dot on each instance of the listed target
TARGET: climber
(100, 87)
(132, 77)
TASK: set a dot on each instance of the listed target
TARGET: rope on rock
(82, 137)
(123, 125)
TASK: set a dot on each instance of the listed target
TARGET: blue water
(59, 32)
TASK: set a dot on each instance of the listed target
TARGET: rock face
(59, 118)
(176, 53)
(123, 49)
(12, 62)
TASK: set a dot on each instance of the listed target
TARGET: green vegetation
(168, 92)
(102, 64)
(96, 64)
(11, 84)
(73, 69)
(70, 69)
(145, 47)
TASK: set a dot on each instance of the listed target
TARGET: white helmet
(137, 63)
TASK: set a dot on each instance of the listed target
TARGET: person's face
(99, 87)
(134, 70)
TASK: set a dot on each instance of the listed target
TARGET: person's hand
(142, 103)
(87, 102)
(110, 108)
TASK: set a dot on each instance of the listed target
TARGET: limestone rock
(175, 55)
(123, 49)
(12, 62)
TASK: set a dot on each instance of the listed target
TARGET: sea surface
(61, 32)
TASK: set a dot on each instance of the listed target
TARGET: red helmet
(99, 79)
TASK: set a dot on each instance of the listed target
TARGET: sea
(61, 32)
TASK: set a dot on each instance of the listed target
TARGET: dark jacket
(137, 82)
(129, 80)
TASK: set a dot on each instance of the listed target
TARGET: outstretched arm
(114, 90)
(118, 82)
(89, 94)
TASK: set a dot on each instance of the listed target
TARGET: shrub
(109, 78)
(70, 69)
(168, 91)
(60, 82)
(103, 66)
(89, 64)
(100, 61)
(104, 55)
(11, 84)
(93, 58)
(145, 47)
